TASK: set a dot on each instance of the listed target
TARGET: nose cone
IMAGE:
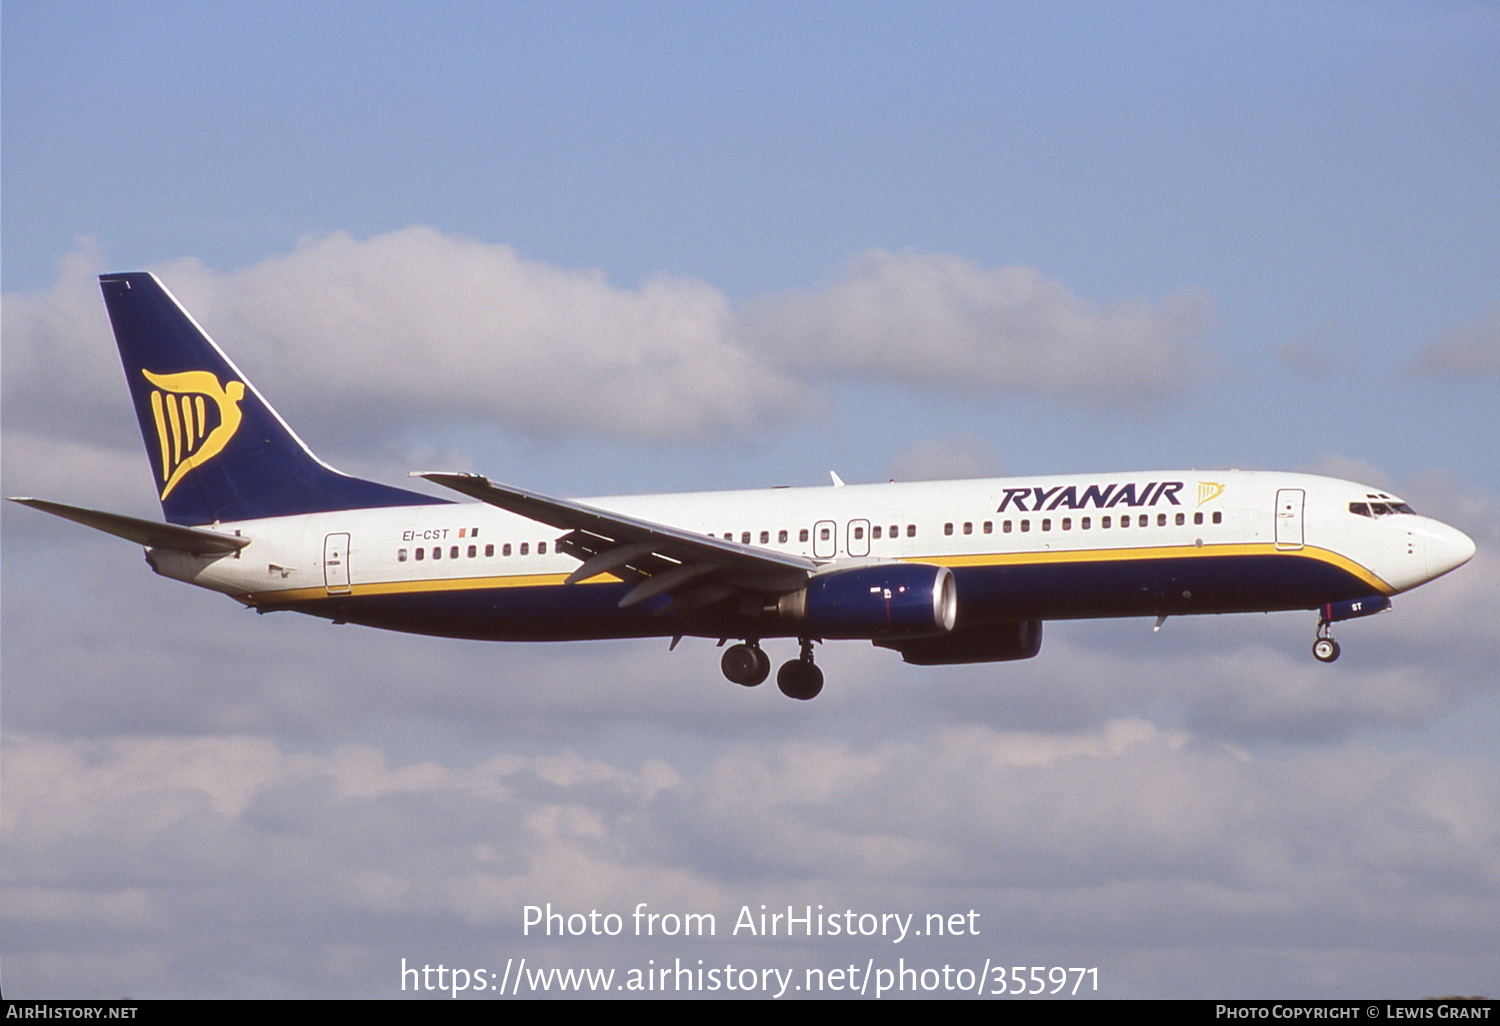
(1447, 548)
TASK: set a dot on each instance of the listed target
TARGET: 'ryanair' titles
(1105, 496)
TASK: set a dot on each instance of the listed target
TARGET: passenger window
(1085, 523)
(989, 528)
(1005, 527)
(802, 535)
(525, 548)
(453, 552)
(1198, 518)
(968, 527)
(875, 532)
(473, 551)
(824, 533)
(1047, 524)
(1104, 523)
(1025, 526)
(505, 549)
(859, 533)
(1161, 520)
(489, 550)
(744, 537)
(1067, 523)
(401, 555)
(947, 528)
(780, 536)
(421, 554)
(541, 549)
(1125, 520)
(911, 530)
(765, 537)
(1218, 517)
(895, 530)
(1181, 519)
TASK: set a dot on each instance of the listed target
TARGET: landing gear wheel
(745, 664)
(1325, 650)
(799, 679)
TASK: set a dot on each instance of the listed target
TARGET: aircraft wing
(696, 569)
(149, 533)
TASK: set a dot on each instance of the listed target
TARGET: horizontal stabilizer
(149, 533)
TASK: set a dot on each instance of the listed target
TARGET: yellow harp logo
(195, 418)
(1209, 491)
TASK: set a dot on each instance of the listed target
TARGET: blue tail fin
(218, 449)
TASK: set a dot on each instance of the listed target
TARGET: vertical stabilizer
(218, 449)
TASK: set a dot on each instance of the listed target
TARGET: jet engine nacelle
(983, 643)
(884, 600)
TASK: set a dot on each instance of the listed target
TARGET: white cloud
(941, 321)
(355, 336)
(79, 472)
(477, 330)
(1123, 841)
(417, 323)
(62, 372)
(1466, 350)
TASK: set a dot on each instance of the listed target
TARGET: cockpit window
(1378, 509)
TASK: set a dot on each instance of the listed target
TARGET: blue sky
(458, 234)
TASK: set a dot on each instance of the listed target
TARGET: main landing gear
(1325, 649)
(799, 678)
(748, 665)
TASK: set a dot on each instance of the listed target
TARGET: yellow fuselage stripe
(1052, 556)
(1042, 557)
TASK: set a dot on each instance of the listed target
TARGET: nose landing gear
(1325, 649)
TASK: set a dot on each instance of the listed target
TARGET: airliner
(943, 573)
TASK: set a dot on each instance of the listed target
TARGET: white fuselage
(1252, 528)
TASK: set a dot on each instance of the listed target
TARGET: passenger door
(336, 564)
(1289, 518)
